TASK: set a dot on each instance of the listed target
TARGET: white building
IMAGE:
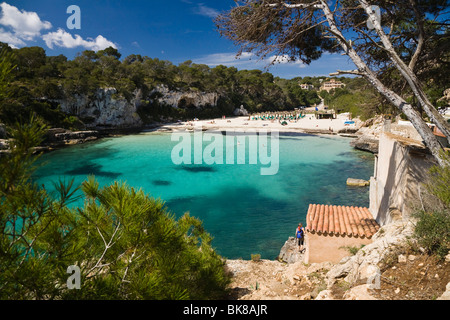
(332, 84)
(306, 86)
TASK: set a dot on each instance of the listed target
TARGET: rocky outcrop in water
(357, 182)
(365, 143)
(368, 135)
(58, 137)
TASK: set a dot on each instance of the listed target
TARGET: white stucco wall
(400, 170)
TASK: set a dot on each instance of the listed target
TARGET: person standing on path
(300, 235)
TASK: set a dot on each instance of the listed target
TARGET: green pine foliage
(6, 68)
(126, 243)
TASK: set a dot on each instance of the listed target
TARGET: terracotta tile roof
(341, 220)
(438, 132)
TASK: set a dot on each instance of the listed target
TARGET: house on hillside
(332, 230)
(332, 84)
(306, 86)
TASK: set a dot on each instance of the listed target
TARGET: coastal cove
(245, 212)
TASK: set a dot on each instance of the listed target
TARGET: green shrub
(352, 249)
(439, 184)
(433, 232)
(256, 257)
(433, 220)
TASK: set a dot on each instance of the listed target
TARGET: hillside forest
(37, 84)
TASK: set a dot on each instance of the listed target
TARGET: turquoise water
(246, 212)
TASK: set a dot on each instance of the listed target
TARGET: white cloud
(20, 26)
(226, 59)
(246, 60)
(285, 59)
(203, 10)
(24, 25)
(11, 39)
(64, 39)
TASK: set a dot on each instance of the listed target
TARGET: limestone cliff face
(180, 99)
(108, 109)
(105, 109)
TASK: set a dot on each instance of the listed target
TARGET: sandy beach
(308, 124)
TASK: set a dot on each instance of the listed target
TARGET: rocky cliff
(181, 99)
(105, 109)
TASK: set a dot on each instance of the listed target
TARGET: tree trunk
(409, 75)
(422, 128)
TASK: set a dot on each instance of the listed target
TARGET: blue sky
(176, 30)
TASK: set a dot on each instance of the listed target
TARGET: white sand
(307, 124)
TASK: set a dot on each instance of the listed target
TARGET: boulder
(348, 130)
(447, 257)
(357, 182)
(359, 293)
(52, 132)
(365, 263)
(446, 294)
(240, 111)
(366, 144)
(4, 144)
(289, 252)
(324, 295)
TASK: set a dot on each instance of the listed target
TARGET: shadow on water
(197, 168)
(161, 183)
(345, 154)
(235, 215)
(240, 199)
(92, 169)
(93, 150)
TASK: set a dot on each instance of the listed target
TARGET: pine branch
(107, 247)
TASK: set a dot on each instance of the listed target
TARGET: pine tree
(126, 244)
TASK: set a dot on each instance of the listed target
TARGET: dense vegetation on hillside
(357, 97)
(361, 99)
(39, 82)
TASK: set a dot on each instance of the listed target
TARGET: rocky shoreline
(57, 138)
(362, 276)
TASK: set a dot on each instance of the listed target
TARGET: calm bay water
(246, 212)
